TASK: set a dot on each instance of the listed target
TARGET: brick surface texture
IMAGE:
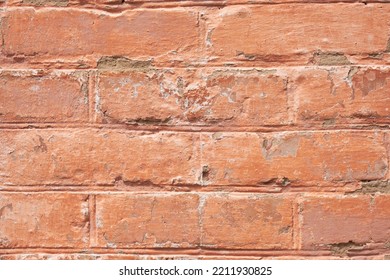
(194, 129)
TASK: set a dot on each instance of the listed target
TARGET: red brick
(27, 96)
(247, 221)
(74, 32)
(380, 229)
(45, 256)
(337, 220)
(250, 158)
(43, 220)
(36, 157)
(193, 97)
(342, 95)
(55, 3)
(147, 220)
(160, 3)
(285, 32)
(333, 220)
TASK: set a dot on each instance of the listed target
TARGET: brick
(45, 256)
(247, 221)
(75, 32)
(250, 158)
(334, 220)
(339, 221)
(342, 95)
(38, 3)
(101, 256)
(285, 33)
(27, 96)
(161, 3)
(147, 220)
(207, 96)
(43, 220)
(36, 157)
(380, 229)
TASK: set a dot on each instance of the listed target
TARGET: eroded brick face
(152, 129)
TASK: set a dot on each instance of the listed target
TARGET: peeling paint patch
(280, 146)
(122, 63)
(330, 58)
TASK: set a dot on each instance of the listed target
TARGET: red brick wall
(194, 129)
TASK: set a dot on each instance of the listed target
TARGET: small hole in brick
(205, 173)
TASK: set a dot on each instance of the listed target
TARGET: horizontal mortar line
(329, 191)
(218, 251)
(207, 66)
(266, 184)
(115, 8)
(184, 128)
(134, 185)
(227, 68)
(145, 191)
(194, 249)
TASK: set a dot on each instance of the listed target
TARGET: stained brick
(31, 96)
(43, 220)
(285, 32)
(247, 221)
(175, 96)
(250, 158)
(342, 95)
(380, 229)
(97, 157)
(147, 220)
(342, 221)
(74, 32)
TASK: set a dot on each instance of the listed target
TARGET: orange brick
(27, 96)
(43, 220)
(334, 220)
(39, 3)
(207, 96)
(75, 32)
(247, 221)
(147, 220)
(380, 229)
(342, 95)
(250, 158)
(159, 3)
(36, 157)
(286, 32)
(45, 256)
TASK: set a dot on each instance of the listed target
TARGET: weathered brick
(175, 96)
(380, 229)
(36, 157)
(115, 4)
(75, 32)
(45, 256)
(342, 95)
(82, 256)
(43, 220)
(152, 107)
(284, 33)
(147, 220)
(247, 221)
(250, 158)
(32, 96)
(337, 221)
(39, 3)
